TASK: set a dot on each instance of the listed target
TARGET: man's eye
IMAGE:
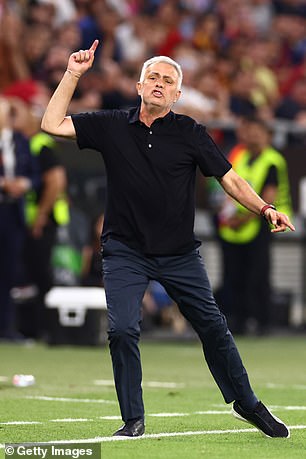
(152, 77)
(169, 81)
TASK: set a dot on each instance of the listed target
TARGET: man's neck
(148, 116)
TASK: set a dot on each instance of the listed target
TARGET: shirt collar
(134, 116)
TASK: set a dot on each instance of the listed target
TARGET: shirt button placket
(150, 145)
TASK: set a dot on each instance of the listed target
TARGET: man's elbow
(45, 126)
(64, 129)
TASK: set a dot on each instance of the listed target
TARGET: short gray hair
(167, 60)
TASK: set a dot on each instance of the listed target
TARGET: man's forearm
(242, 192)
(57, 108)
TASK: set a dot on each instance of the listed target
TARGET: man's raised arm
(55, 120)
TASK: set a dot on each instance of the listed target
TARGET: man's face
(160, 86)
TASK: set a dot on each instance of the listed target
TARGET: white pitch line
(15, 423)
(154, 415)
(151, 384)
(157, 435)
(284, 386)
(71, 420)
(73, 400)
(188, 433)
(163, 385)
(114, 418)
(289, 408)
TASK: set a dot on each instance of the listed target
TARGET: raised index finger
(94, 46)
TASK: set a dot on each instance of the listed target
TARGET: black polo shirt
(150, 202)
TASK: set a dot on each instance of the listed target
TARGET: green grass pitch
(74, 399)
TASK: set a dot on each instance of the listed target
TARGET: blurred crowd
(240, 58)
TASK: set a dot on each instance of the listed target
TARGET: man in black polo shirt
(151, 156)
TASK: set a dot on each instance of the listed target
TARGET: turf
(276, 367)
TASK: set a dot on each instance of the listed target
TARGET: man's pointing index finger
(94, 46)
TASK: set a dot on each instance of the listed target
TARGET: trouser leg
(258, 282)
(125, 284)
(186, 281)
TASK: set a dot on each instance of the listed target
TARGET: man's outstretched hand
(279, 220)
(80, 61)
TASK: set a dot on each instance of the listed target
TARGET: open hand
(80, 61)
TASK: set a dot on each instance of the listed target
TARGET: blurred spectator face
(299, 92)
(256, 136)
(156, 34)
(225, 68)
(107, 20)
(243, 83)
(111, 74)
(127, 83)
(69, 35)
(81, 3)
(290, 27)
(208, 28)
(36, 42)
(169, 14)
(259, 53)
(238, 49)
(208, 84)
(42, 13)
(188, 58)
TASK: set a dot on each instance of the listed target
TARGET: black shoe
(131, 429)
(261, 418)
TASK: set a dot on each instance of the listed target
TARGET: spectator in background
(132, 38)
(18, 174)
(46, 207)
(169, 14)
(258, 61)
(216, 95)
(92, 257)
(12, 60)
(207, 33)
(241, 101)
(293, 106)
(245, 237)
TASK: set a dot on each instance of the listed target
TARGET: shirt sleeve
(89, 128)
(210, 158)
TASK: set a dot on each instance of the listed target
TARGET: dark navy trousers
(126, 275)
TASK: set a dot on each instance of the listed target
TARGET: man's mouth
(157, 93)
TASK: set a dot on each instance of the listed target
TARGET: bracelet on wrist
(76, 75)
(264, 208)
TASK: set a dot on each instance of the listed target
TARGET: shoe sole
(241, 418)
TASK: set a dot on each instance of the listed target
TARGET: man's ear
(178, 95)
(138, 87)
